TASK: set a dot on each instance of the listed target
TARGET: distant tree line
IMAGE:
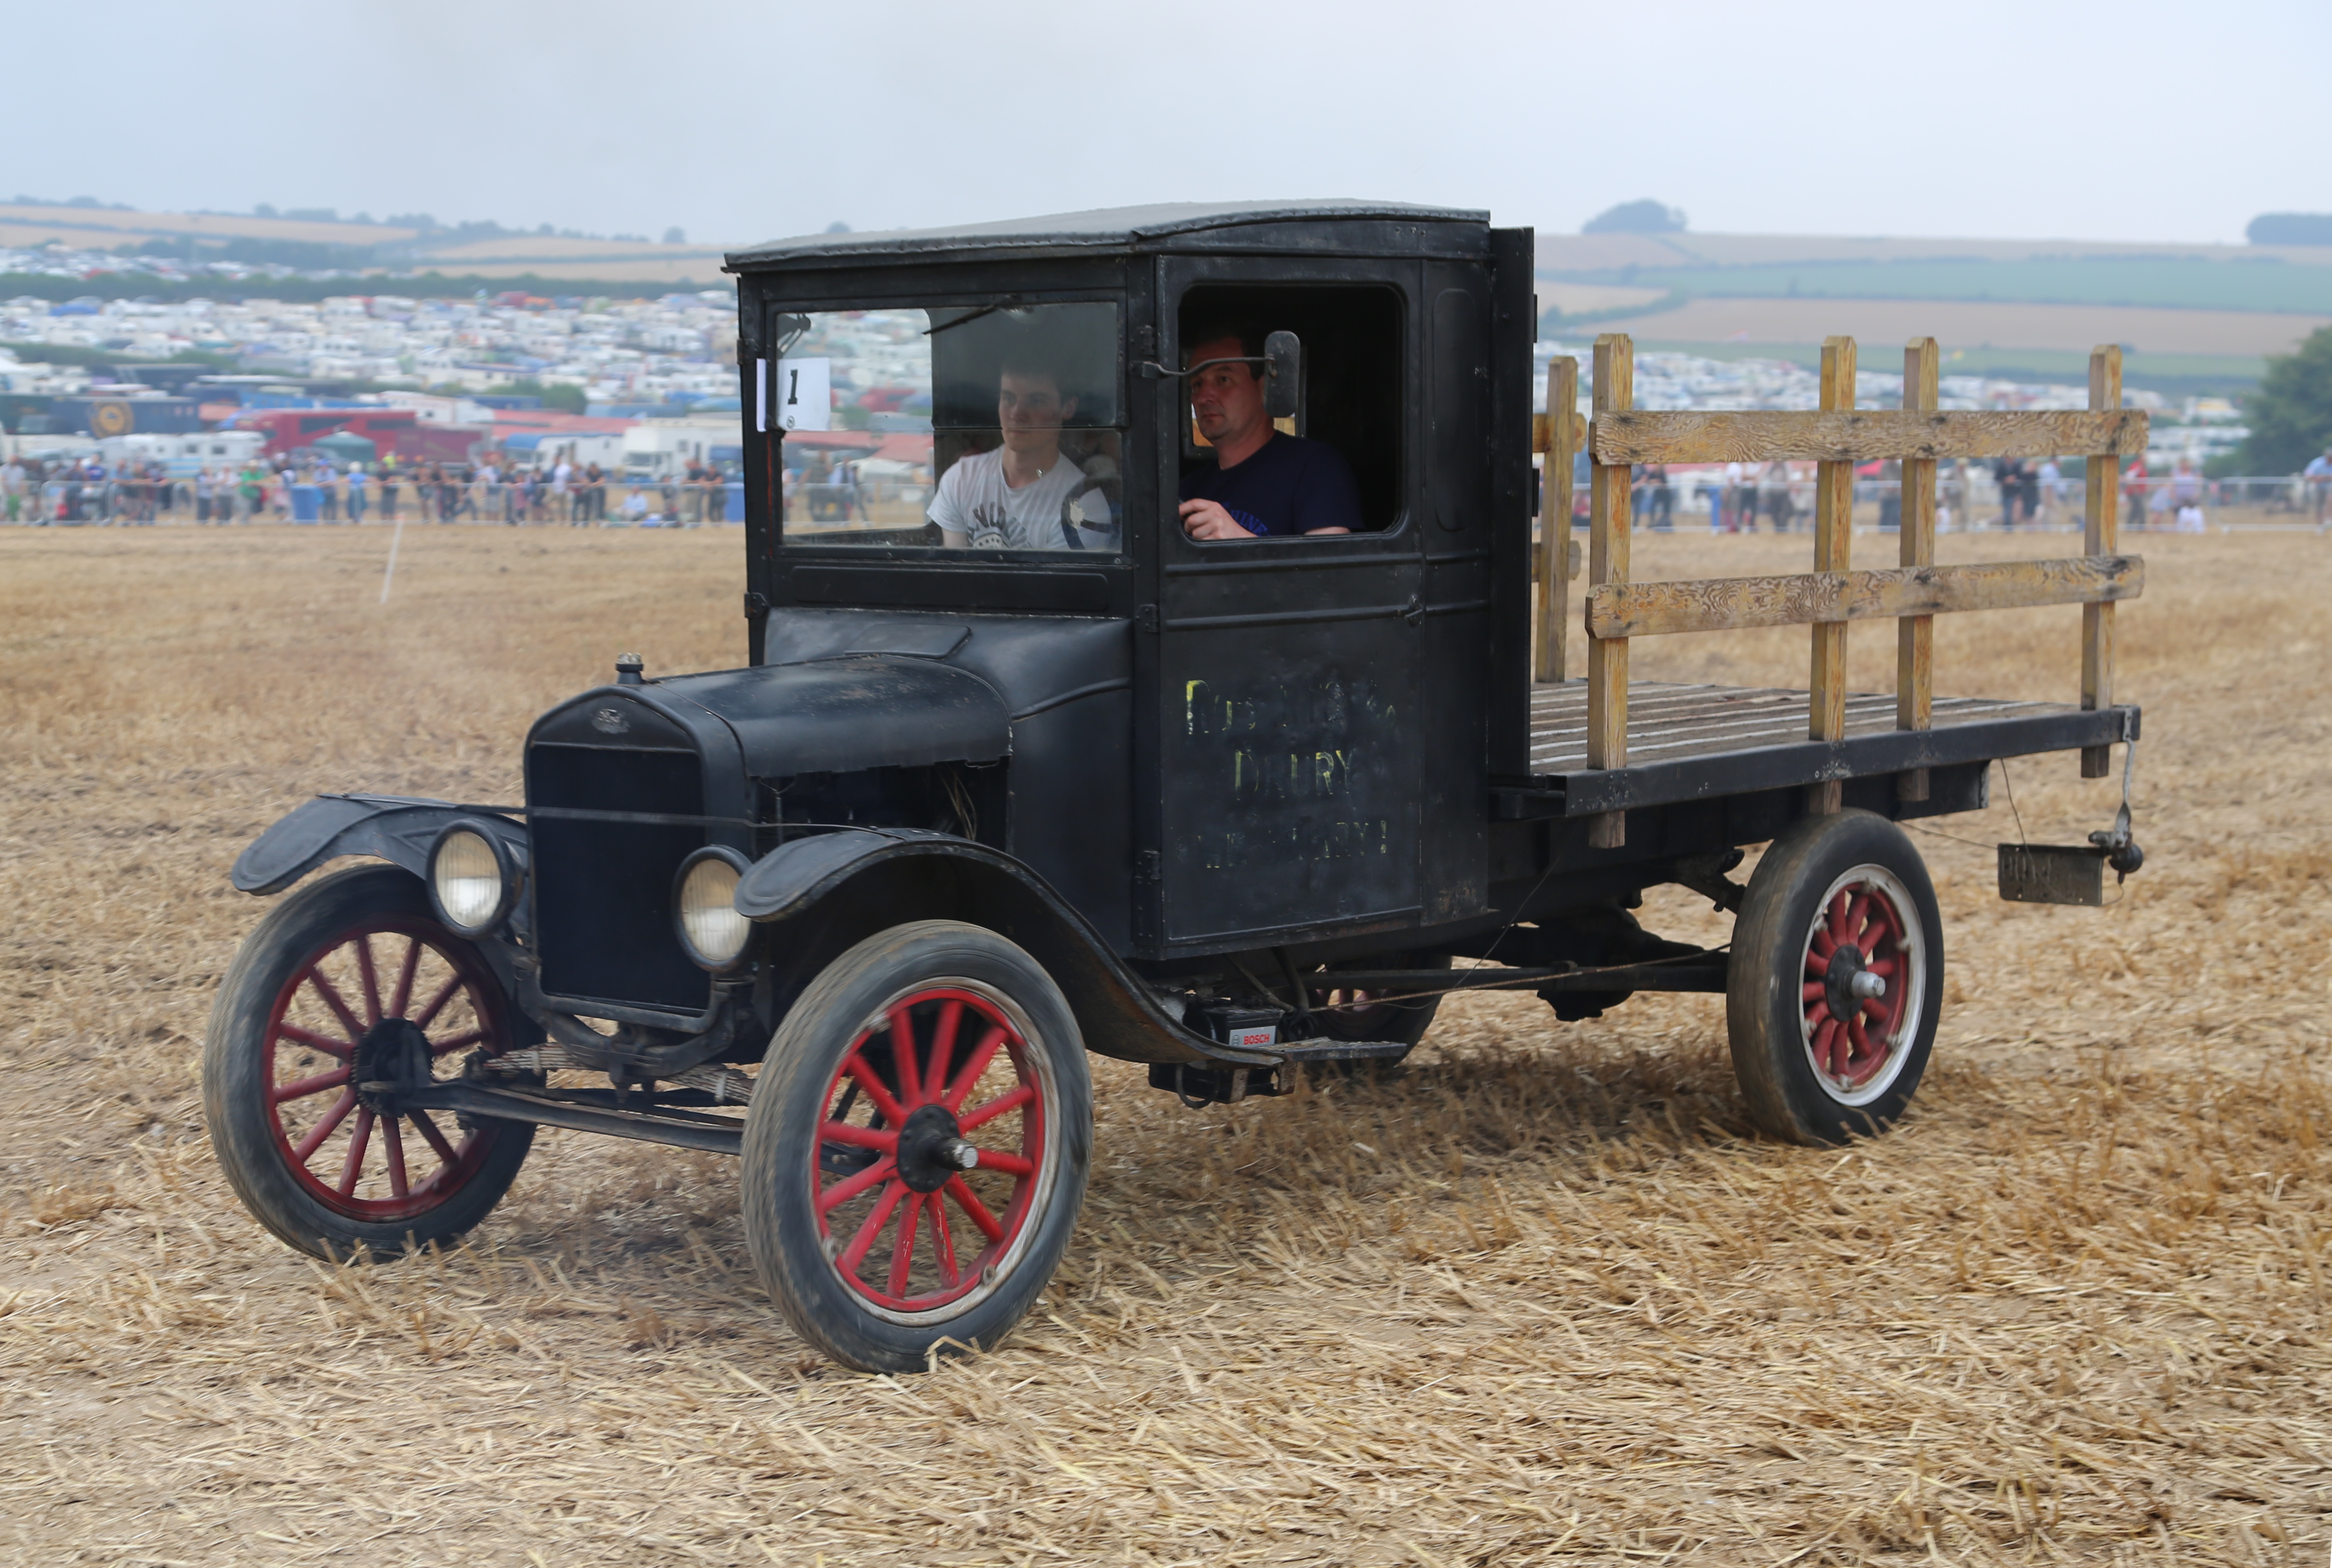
(2290, 229)
(2290, 414)
(1641, 217)
(425, 286)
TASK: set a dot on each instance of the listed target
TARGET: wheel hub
(1846, 980)
(931, 1148)
(393, 1057)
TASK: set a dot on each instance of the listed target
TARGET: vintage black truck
(1016, 769)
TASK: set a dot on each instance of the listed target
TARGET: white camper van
(184, 456)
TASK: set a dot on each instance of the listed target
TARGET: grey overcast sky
(746, 120)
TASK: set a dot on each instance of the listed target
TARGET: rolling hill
(2191, 317)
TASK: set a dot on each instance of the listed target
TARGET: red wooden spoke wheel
(1833, 991)
(347, 993)
(1856, 968)
(389, 1001)
(930, 1148)
(917, 1146)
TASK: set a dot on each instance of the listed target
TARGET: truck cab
(1217, 745)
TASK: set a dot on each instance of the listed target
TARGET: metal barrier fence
(1966, 503)
(1702, 499)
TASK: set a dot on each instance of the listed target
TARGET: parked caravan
(183, 456)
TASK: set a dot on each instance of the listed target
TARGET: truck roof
(1104, 228)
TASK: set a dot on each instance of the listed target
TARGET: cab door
(1290, 673)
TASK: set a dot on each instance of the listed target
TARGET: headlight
(470, 880)
(710, 929)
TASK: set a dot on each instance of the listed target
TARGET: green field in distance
(2266, 283)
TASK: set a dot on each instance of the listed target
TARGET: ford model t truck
(1016, 770)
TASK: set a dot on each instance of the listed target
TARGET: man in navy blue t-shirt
(1263, 482)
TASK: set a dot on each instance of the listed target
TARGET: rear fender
(396, 829)
(830, 891)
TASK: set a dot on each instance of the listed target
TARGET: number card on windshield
(802, 398)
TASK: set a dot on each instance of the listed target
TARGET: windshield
(972, 426)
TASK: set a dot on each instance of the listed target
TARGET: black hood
(865, 711)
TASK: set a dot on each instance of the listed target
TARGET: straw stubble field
(1544, 1298)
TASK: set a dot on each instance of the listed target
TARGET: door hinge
(1146, 617)
(756, 606)
(1146, 866)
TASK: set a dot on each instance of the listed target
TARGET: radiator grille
(603, 888)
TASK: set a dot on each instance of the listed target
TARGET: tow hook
(2122, 852)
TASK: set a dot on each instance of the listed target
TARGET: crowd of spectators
(79, 491)
(2015, 494)
(494, 490)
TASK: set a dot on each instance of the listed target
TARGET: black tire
(355, 967)
(1345, 1014)
(819, 1206)
(1832, 896)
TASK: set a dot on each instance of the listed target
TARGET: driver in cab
(1263, 482)
(1026, 493)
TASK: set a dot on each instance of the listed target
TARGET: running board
(1225, 1086)
(719, 1134)
(1340, 1050)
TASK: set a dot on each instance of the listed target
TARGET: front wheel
(917, 1148)
(350, 986)
(1835, 986)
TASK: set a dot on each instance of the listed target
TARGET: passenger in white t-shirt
(1026, 494)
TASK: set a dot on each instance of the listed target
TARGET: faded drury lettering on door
(1235, 849)
(1293, 804)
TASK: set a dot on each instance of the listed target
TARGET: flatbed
(1697, 743)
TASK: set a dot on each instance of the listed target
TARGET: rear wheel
(917, 1148)
(1835, 986)
(350, 982)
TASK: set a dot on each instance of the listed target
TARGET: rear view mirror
(1283, 370)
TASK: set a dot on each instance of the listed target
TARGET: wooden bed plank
(1668, 722)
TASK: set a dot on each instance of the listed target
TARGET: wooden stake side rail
(1739, 603)
(1645, 436)
(1554, 568)
(2101, 535)
(1609, 528)
(1915, 634)
(1837, 436)
(1834, 545)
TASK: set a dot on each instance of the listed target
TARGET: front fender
(859, 881)
(396, 829)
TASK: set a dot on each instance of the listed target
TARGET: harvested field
(1544, 1299)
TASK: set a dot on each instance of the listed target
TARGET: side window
(1348, 406)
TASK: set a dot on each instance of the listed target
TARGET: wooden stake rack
(1837, 438)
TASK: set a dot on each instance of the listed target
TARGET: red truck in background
(400, 431)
